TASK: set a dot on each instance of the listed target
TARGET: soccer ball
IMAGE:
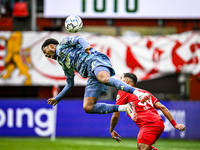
(73, 23)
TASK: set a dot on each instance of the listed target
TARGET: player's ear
(127, 80)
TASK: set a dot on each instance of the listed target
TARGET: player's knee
(104, 80)
(87, 109)
(103, 77)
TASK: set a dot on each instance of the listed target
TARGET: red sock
(153, 148)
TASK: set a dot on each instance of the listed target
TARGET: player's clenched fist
(180, 127)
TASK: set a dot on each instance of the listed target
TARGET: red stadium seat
(20, 9)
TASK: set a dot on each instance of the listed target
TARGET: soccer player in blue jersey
(75, 54)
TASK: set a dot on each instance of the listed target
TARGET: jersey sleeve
(70, 40)
(83, 42)
(74, 41)
(154, 99)
(66, 89)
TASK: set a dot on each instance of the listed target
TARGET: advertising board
(35, 118)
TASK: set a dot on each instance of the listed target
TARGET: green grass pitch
(8, 143)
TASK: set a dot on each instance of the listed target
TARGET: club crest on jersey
(118, 96)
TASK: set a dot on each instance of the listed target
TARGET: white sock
(137, 93)
(122, 108)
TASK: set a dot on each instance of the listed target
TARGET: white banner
(23, 63)
(164, 9)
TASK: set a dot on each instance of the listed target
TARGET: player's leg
(103, 75)
(142, 146)
(92, 91)
(90, 106)
(149, 134)
(162, 127)
(88, 103)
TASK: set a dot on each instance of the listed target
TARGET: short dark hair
(132, 76)
(49, 41)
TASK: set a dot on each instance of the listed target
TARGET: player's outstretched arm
(168, 115)
(63, 93)
(113, 123)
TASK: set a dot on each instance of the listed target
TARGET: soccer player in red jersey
(146, 117)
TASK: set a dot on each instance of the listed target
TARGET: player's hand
(52, 101)
(180, 127)
(115, 136)
(87, 49)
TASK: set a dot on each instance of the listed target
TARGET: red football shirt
(146, 112)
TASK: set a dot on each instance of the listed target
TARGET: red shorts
(149, 133)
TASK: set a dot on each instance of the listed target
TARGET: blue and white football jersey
(72, 57)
